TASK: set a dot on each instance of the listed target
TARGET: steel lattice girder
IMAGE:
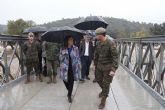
(145, 59)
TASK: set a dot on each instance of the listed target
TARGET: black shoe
(94, 81)
(69, 99)
(87, 78)
(82, 80)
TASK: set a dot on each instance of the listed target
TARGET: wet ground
(125, 94)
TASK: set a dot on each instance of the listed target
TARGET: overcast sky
(43, 11)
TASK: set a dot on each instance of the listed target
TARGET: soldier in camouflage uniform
(30, 49)
(52, 60)
(106, 61)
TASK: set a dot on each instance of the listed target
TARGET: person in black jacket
(86, 53)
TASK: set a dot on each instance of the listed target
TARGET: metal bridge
(138, 85)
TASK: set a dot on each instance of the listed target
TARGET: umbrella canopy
(57, 34)
(91, 23)
(37, 29)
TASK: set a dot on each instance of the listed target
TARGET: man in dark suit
(86, 53)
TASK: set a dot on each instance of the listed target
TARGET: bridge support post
(7, 69)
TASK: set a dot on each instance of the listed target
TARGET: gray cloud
(42, 11)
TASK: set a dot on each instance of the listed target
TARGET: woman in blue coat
(69, 65)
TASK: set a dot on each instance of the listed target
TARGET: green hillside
(117, 27)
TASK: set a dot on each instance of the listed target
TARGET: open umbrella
(91, 23)
(36, 29)
(57, 34)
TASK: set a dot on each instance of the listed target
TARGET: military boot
(40, 78)
(54, 79)
(100, 94)
(103, 101)
(28, 79)
(50, 80)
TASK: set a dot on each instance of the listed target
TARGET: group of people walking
(72, 62)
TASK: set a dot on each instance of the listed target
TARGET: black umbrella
(90, 33)
(91, 23)
(57, 34)
(36, 29)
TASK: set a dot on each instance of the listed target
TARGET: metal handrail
(144, 59)
(15, 41)
(156, 39)
(4, 37)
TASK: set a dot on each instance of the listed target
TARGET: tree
(140, 33)
(158, 29)
(17, 27)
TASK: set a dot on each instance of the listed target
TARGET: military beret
(100, 31)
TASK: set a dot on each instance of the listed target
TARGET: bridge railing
(144, 59)
(11, 58)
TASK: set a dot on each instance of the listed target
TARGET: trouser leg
(54, 68)
(70, 90)
(49, 70)
(84, 67)
(45, 67)
(49, 67)
(54, 71)
(29, 69)
(95, 73)
(37, 70)
(99, 77)
(107, 79)
(66, 84)
(40, 62)
(94, 76)
(88, 62)
(70, 83)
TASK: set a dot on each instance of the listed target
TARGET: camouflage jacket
(31, 50)
(52, 51)
(106, 54)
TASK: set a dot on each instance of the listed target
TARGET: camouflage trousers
(52, 67)
(32, 65)
(103, 78)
